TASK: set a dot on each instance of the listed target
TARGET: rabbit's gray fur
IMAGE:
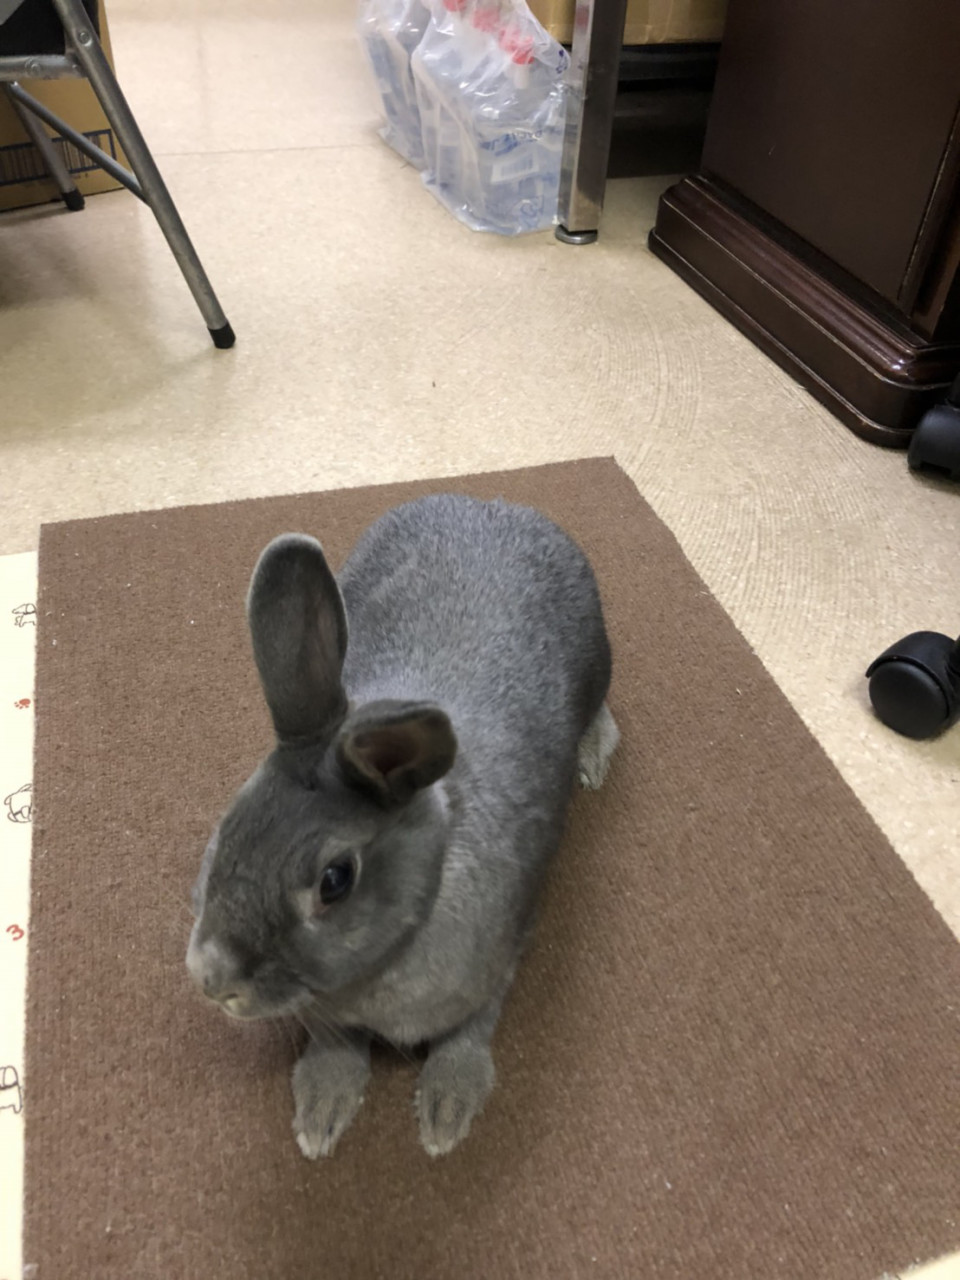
(441, 762)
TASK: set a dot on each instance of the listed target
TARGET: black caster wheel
(915, 684)
(935, 443)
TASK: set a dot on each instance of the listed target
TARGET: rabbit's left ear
(299, 630)
(393, 749)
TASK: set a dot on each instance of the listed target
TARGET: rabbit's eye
(336, 882)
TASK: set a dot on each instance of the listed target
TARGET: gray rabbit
(378, 873)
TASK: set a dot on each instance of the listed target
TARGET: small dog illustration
(20, 804)
(24, 614)
(11, 1095)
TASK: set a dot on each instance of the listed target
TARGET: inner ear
(393, 749)
(383, 750)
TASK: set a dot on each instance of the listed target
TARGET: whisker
(286, 1032)
(397, 1048)
(330, 1027)
(322, 1015)
(404, 1053)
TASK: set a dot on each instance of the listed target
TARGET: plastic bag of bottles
(390, 30)
(490, 85)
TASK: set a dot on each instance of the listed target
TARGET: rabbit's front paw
(327, 1089)
(454, 1084)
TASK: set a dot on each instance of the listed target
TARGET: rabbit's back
(487, 608)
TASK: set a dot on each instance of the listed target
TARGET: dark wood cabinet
(825, 220)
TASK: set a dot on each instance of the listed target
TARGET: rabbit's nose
(214, 970)
(212, 989)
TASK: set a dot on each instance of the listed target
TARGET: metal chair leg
(48, 152)
(83, 41)
(594, 70)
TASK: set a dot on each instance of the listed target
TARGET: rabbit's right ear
(299, 631)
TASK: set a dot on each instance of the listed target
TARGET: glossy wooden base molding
(878, 377)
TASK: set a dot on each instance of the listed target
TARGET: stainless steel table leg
(594, 68)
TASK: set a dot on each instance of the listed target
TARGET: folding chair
(47, 39)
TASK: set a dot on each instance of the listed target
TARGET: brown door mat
(732, 1052)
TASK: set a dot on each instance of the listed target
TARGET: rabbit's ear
(394, 748)
(299, 631)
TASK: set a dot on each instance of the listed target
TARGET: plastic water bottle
(520, 137)
(390, 31)
(434, 61)
(491, 97)
(445, 61)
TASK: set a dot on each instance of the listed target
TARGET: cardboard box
(23, 179)
(648, 21)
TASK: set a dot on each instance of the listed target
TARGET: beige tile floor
(379, 340)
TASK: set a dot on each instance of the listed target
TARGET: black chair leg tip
(74, 201)
(224, 337)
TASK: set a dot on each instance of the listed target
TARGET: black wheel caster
(935, 443)
(915, 684)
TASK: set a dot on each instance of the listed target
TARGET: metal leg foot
(48, 152)
(576, 237)
(90, 55)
